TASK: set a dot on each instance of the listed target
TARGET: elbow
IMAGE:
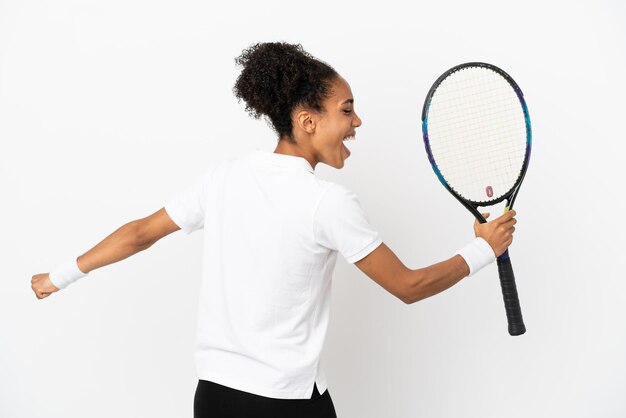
(138, 235)
(410, 299)
(414, 287)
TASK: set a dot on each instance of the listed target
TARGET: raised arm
(385, 268)
(412, 285)
(127, 240)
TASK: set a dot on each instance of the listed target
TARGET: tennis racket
(477, 134)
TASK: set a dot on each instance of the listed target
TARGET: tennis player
(272, 230)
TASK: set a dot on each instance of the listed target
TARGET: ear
(305, 121)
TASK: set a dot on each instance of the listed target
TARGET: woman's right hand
(42, 286)
(499, 232)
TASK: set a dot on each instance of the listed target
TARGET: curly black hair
(277, 77)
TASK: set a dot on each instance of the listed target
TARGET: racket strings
(477, 133)
(476, 118)
(481, 95)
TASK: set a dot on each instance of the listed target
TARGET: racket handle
(509, 292)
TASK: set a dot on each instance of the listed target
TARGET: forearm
(429, 281)
(120, 244)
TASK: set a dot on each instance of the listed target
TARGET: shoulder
(335, 191)
(335, 198)
(217, 166)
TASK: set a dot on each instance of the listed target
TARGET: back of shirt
(272, 231)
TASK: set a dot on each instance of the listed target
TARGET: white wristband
(477, 254)
(66, 273)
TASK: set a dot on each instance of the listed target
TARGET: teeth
(349, 138)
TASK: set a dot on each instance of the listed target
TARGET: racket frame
(510, 195)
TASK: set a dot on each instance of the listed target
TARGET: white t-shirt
(272, 231)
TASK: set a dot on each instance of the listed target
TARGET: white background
(108, 109)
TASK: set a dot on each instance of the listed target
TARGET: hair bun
(278, 76)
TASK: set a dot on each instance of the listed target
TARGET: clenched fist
(42, 286)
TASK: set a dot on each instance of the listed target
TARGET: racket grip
(509, 292)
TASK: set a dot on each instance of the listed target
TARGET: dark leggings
(213, 400)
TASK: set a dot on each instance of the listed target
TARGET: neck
(296, 149)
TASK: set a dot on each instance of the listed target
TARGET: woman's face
(338, 122)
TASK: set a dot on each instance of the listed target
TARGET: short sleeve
(186, 208)
(341, 224)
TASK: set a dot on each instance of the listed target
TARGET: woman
(272, 232)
